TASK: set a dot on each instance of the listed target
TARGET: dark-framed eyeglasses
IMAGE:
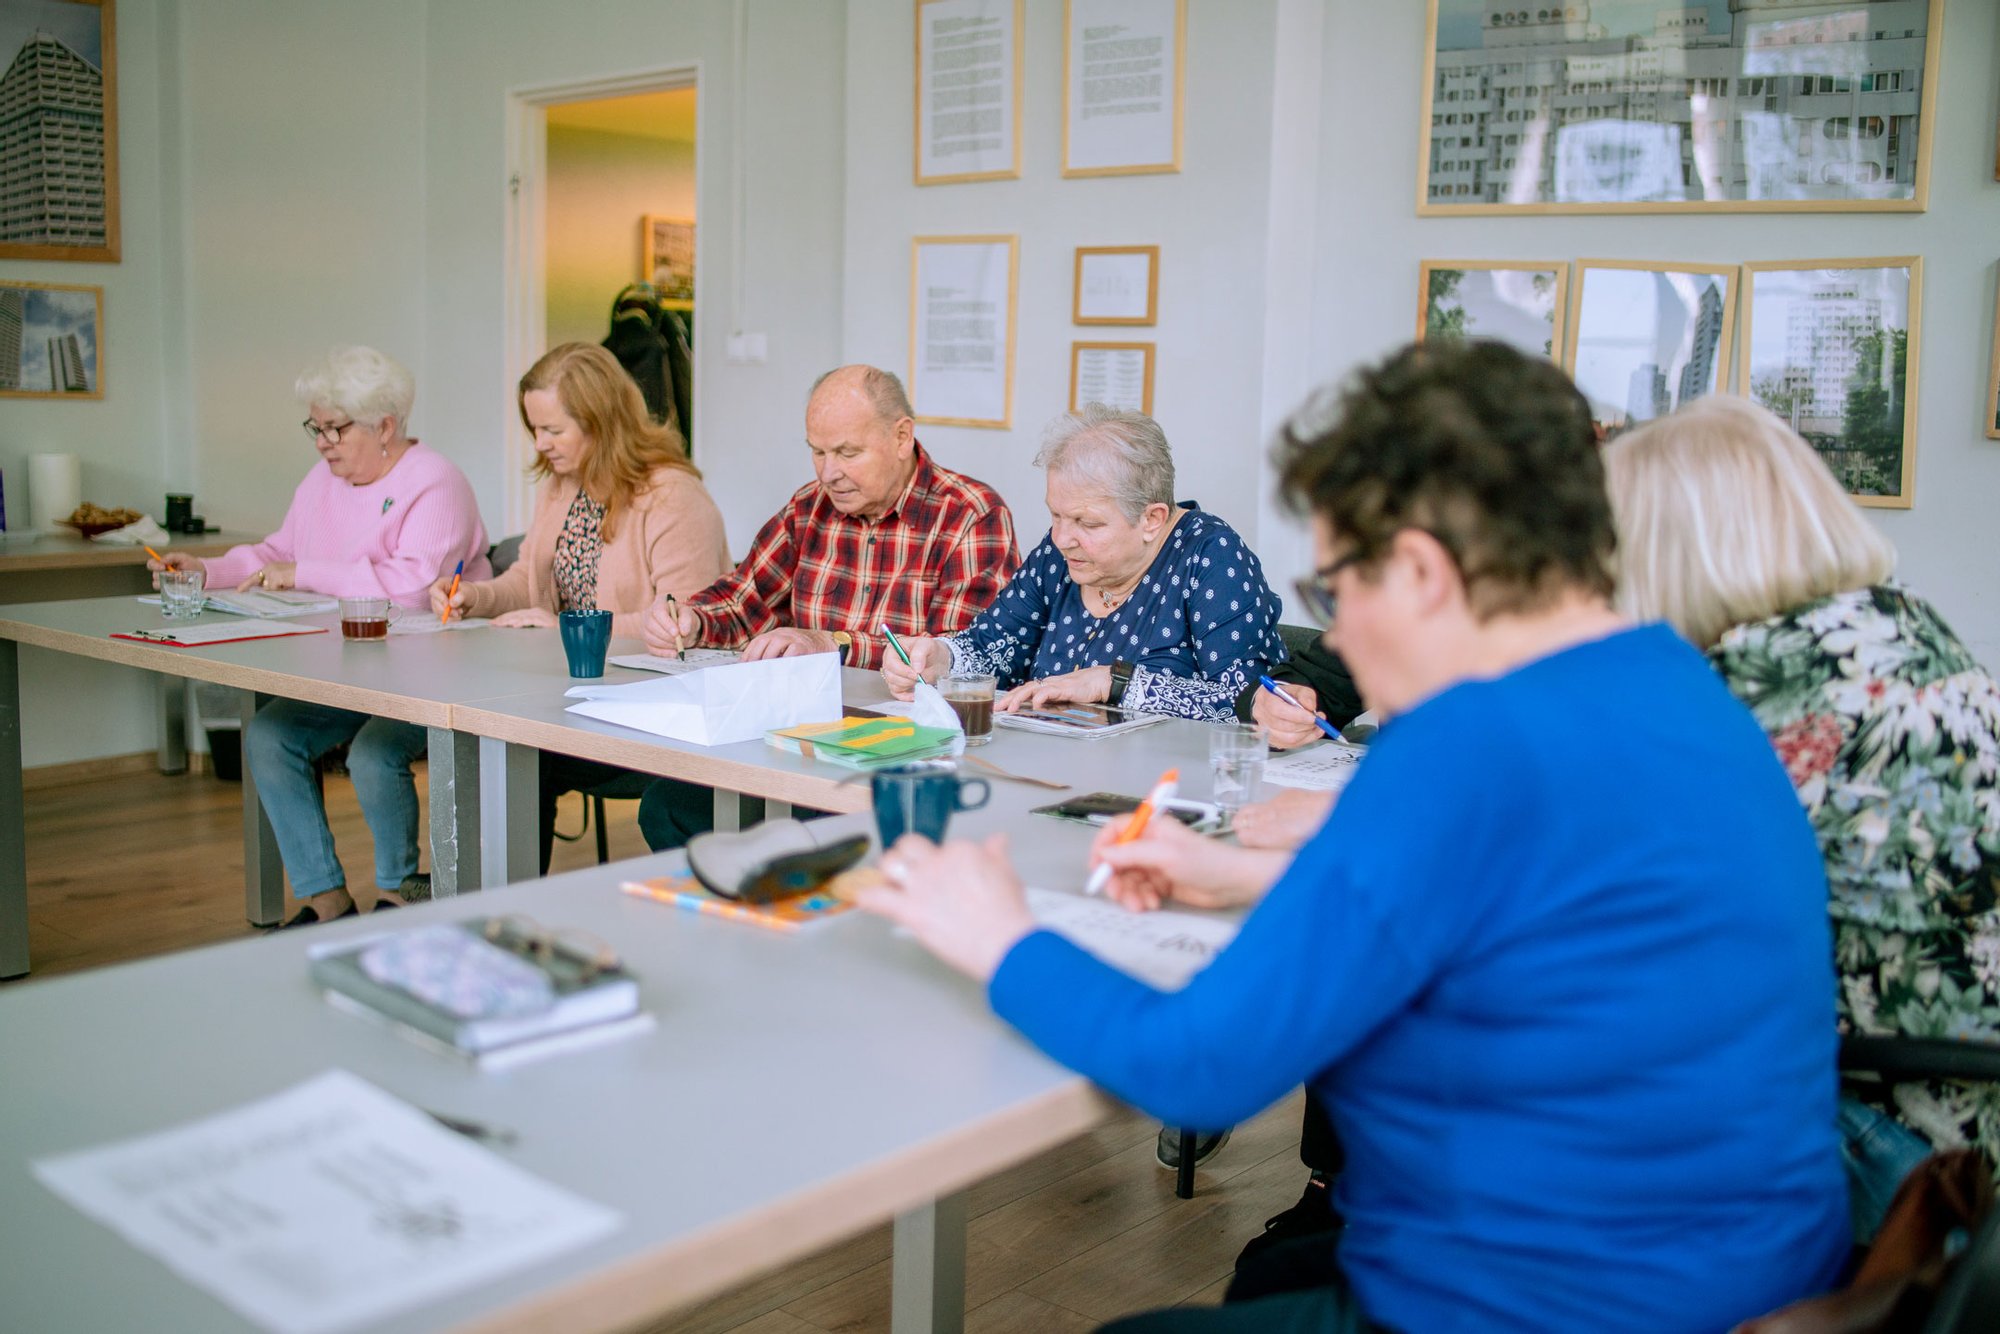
(332, 431)
(1315, 590)
(572, 957)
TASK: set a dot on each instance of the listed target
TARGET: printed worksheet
(424, 623)
(697, 658)
(329, 1205)
(1163, 948)
(1325, 766)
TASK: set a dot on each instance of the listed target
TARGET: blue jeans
(283, 744)
(1878, 1152)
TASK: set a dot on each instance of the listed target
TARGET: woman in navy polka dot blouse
(1130, 599)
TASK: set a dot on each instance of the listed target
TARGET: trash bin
(221, 711)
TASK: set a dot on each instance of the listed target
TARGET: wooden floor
(127, 867)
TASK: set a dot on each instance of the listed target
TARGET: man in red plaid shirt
(884, 535)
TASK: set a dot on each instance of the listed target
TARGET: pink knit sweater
(391, 538)
(669, 540)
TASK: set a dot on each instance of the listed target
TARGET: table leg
(927, 1271)
(170, 706)
(13, 820)
(263, 869)
(728, 811)
(453, 781)
(509, 811)
(777, 810)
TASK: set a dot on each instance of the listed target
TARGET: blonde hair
(627, 447)
(1726, 516)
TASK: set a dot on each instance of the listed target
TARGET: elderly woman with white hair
(379, 515)
(1736, 534)
(1130, 600)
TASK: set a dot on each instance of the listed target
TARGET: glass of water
(181, 593)
(1236, 754)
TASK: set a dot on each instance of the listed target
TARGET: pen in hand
(1322, 724)
(674, 616)
(1162, 792)
(444, 617)
(895, 643)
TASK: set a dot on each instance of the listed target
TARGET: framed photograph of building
(59, 148)
(968, 98)
(1830, 345)
(1518, 302)
(1645, 338)
(51, 341)
(1630, 106)
(1116, 284)
(668, 259)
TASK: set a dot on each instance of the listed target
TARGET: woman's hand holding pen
(929, 658)
(1287, 727)
(445, 601)
(1169, 863)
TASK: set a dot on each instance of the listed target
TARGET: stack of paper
(1163, 948)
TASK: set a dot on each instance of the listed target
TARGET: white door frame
(525, 297)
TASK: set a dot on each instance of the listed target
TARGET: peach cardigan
(669, 540)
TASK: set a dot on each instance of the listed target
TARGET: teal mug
(920, 799)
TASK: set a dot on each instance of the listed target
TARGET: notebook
(864, 743)
(223, 632)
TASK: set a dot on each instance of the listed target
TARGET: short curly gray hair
(1123, 456)
(361, 382)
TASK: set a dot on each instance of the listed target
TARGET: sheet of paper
(962, 365)
(968, 60)
(1124, 86)
(697, 658)
(732, 702)
(1325, 766)
(424, 623)
(326, 1206)
(1161, 948)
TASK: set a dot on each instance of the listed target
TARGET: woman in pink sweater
(378, 516)
(621, 519)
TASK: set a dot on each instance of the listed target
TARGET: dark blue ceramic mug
(920, 798)
(586, 637)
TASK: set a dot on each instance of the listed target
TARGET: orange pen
(444, 617)
(1162, 792)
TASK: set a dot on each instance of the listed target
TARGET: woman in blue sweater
(1557, 964)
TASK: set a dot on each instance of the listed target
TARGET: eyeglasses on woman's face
(330, 431)
(1315, 591)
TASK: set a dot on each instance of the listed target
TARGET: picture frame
(1116, 285)
(971, 128)
(76, 51)
(963, 296)
(667, 259)
(1646, 337)
(1819, 348)
(1119, 375)
(1124, 80)
(1523, 303)
(1626, 106)
(51, 334)
(1993, 379)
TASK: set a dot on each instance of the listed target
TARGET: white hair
(1123, 456)
(362, 383)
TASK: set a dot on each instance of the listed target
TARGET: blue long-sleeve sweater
(1559, 964)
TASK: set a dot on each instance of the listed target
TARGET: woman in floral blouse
(1735, 532)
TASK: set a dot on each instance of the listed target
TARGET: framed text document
(1123, 85)
(1116, 285)
(968, 122)
(1118, 375)
(962, 292)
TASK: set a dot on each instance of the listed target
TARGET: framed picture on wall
(1629, 106)
(668, 259)
(1118, 375)
(56, 347)
(59, 97)
(1519, 302)
(1830, 345)
(1993, 381)
(962, 295)
(968, 90)
(1116, 285)
(1124, 86)
(1646, 338)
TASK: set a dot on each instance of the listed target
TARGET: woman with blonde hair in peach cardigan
(620, 520)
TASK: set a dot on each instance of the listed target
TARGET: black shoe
(1312, 1214)
(1167, 1152)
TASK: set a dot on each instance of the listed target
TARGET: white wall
(1371, 242)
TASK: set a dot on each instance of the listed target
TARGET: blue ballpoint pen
(1332, 732)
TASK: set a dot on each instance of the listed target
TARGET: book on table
(864, 743)
(479, 985)
(269, 602)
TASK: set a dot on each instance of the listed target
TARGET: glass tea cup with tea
(366, 618)
(971, 698)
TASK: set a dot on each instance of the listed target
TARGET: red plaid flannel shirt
(927, 567)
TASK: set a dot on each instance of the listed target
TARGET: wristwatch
(1121, 677)
(843, 643)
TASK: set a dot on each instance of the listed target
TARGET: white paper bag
(929, 709)
(720, 705)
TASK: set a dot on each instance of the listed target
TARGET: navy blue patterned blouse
(1200, 626)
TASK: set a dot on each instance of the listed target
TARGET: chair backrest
(1969, 1301)
(1297, 638)
(504, 553)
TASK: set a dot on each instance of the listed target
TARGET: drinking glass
(971, 698)
(365, 619)
(181, 593)
(1236, 754)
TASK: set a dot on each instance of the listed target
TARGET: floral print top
(579, 547)
(1891, 733)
